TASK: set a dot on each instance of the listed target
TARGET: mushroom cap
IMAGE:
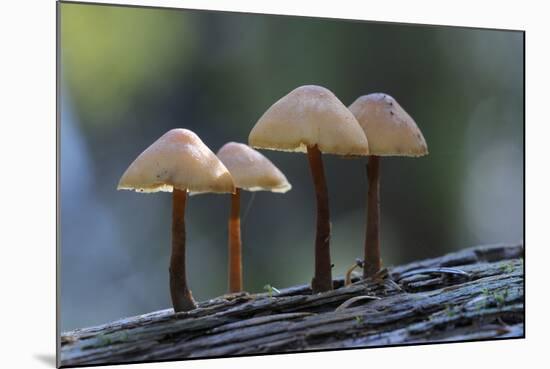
(251, 170)
(178, 159)
(389, 129)
(307, 116)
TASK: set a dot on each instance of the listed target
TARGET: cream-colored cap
(251, 170)
(307, 116)
(389, 129)
(179, 159)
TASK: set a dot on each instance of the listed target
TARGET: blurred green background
(130, 74)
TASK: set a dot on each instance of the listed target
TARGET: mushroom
(311, 119)
(391, 132)
(251, 171)
(178, 162)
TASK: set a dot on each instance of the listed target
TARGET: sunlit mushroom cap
(389, 129)
(307, 116)
(179, 159)
(251, 170)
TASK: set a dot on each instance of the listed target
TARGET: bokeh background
(130, 74)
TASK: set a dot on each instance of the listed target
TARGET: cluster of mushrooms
(310, 119)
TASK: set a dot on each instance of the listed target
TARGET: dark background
(130, 74)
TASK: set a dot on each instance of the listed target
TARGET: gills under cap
(307, 116)
(389, 129)
(251, 170)
(178, 159)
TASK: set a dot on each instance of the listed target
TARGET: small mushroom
(312, 120)
(358, 264)
(251, 171)
(391, 132)
(178, 162)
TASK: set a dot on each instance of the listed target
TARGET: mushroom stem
(182, 300)
(322, 280)
(372, 239)
(235, 262)
(347, 281)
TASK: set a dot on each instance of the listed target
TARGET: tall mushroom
(251, 171)
(178, 162)
(311, 119)
(391, 132)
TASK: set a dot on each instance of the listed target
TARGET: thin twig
(442, 270)
(353, 300)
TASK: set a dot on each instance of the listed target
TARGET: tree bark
(472, 294)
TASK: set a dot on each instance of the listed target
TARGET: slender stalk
(372, 239)
(235, 261)
(322, 280)
(347, 281)
(182, 300)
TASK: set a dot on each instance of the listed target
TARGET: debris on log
(473, 294)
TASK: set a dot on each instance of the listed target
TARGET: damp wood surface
(472, 294)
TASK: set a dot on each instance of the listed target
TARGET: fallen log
(472, 294)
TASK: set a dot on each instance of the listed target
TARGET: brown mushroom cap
(251, 170)
(307, 116)
(389, 129)
(178, 159)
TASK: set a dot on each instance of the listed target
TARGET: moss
(103, 340)
(270, 290)
(507, 268)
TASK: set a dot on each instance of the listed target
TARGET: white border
(470, 13)
(27, 151)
